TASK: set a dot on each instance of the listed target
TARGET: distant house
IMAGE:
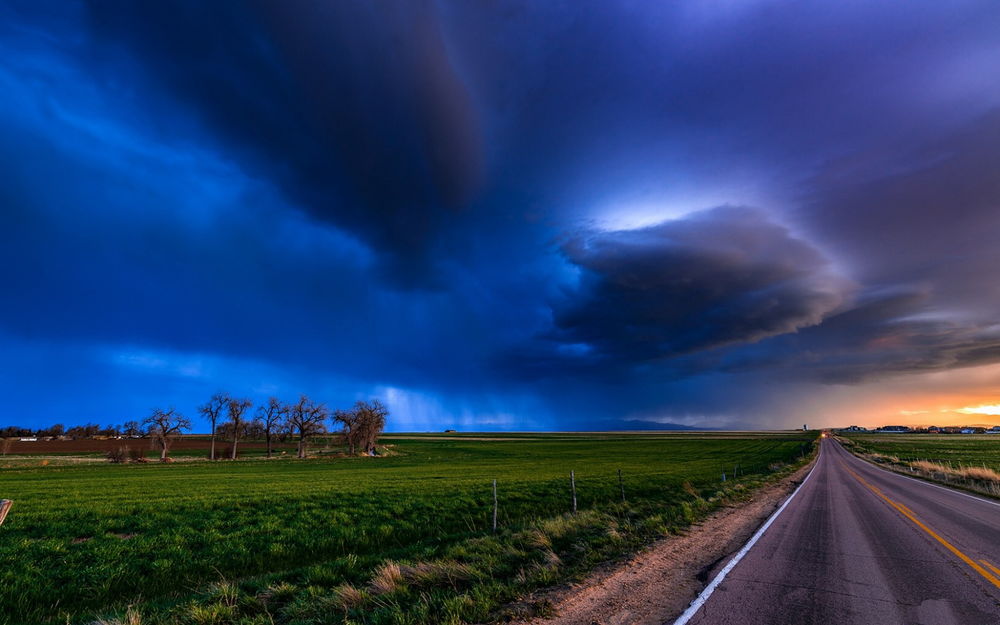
(29, 439)
(933, 429)
(893, 429)
(994, 430)
(968, 430)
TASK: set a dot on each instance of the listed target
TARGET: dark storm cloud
(717, 277)
(355, 109)
(930, 219)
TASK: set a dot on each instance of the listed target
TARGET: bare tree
(305, 419)
(371, 423)
(236, 409)
(362, 424)
(348, 420)
(163, 425)
(212, 410)
(271, 416)
(131, 428)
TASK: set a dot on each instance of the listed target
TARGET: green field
(306, 542)
(947, 449)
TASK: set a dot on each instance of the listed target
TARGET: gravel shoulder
(654, 586)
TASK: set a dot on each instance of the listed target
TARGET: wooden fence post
(494, 506)
(572, 485)
(5, 505)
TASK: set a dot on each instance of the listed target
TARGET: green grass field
(308, 542)
(948, 449)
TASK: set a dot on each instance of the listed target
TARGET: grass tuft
(388, 578)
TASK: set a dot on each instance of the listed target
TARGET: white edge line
(953, 491)
(705, 594)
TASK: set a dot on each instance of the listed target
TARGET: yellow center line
(992, 568)
(993, 579)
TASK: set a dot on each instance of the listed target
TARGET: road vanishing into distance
(858, 545)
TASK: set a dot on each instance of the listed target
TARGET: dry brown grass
(387, 579)
(551, 560)
(347, 597)
(437, 573)
(132, 617)
(537, 539)
(928, 467)
(978, 474)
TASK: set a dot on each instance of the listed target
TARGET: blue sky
(509, 215)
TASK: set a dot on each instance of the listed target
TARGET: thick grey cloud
(882, 335)
(930, 219)
(718, 277)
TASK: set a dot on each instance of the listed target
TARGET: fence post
(621, 485)
(494, 506)
(572, 485)
(5, 505)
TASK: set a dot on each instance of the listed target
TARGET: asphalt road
(860, 545)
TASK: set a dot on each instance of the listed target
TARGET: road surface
(860, 545)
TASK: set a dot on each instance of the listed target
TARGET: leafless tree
(131, 428)
(373, 418)
(236, 409)
(163, 425)
(362, 424)
(212, 410)
(348, 420)
(305, 419)
(271, 415)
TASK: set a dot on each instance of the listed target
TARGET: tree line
(231, 421)
(90, 430)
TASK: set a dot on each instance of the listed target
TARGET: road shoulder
(657, 584)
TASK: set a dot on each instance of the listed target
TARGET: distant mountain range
(618, 425)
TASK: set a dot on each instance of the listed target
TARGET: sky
(505, 214)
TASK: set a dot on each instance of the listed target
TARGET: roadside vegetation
(968, 461)
(403, 538)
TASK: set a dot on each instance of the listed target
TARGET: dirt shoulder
(656, 585)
